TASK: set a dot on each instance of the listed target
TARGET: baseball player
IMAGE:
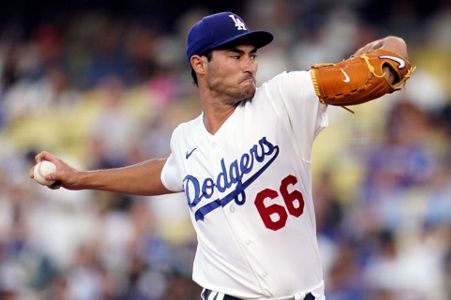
(244, 163)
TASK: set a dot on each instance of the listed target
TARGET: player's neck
(215, 115)
(217, 107)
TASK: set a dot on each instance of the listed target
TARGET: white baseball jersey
(248, 188)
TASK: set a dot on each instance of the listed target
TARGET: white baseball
(42, 169)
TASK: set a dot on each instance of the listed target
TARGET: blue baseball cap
(219, 29)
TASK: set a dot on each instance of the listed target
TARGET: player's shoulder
(188, 126)
(288, 77)
(190, 123)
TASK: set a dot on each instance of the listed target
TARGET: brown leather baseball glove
(361, 78)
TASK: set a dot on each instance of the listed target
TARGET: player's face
(232, 72)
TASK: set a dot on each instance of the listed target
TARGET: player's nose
(249, 65)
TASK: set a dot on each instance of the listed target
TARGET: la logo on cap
(238, 23)
(217, 30)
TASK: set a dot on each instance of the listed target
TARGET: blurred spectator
(113, 126)
(51, 93)
(398, 164)
(10, 71)
(413, 272)
(344, 277)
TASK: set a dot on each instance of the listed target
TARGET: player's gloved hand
(362, 77)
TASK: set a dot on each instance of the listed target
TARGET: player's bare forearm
(139, 179)
(391, 43)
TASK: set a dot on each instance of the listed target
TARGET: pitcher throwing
(244, 163)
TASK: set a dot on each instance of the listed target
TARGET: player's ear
(199, 64)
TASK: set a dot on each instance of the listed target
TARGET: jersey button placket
(215, 159)
(215, 154)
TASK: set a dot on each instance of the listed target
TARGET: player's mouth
(248, 80)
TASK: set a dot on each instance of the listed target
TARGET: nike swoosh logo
(401, 62)
(347, 79)
(188, 153)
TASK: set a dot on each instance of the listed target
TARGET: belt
(206, 295)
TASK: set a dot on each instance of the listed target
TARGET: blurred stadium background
(103, 83)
